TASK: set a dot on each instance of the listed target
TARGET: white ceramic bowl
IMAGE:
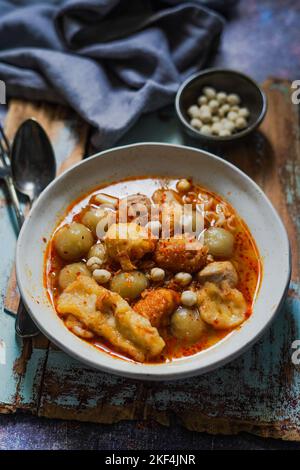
(154, 159)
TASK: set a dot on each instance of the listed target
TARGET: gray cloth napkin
(110, 60)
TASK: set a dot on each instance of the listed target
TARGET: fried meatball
(180, 254)
(157, 305)
(138, 208)
(128, 242)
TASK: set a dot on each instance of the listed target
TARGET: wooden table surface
(260, 39)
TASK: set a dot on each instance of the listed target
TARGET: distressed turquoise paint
(30, 382)
(260, 386)
(8, 380)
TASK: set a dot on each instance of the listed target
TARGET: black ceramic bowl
(229, 81)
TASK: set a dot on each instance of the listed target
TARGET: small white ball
(101, 276)
(233, 99)
(223, 110)
(224, 133)
(206, 130)
(232, 116)
(215, 119)
(183, 185)
(235, 108)
(209, 92)
(195, 122)
(188, 298)
(216, 128)
(193, 111)
(221, 97)
(244, 112)
(240, 123)
(228, 125)
(202, 100)
(214, 106)
(94, 262)
(157, 274)
(205, 114)
(184, 279)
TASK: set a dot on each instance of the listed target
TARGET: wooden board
(258, 392)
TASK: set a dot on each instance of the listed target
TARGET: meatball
(128, 242)
(186, 324)
(93, 216)
(180, 254)
(73, 241)
(157, 305)
(221, 307)
(69, 273)
(219, 241)
(137, 208)
(219, 271)
(129, 285)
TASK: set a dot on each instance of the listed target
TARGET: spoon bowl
(32, 163)
(33, 167)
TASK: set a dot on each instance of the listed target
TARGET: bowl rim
(133, 369)
(216, 139)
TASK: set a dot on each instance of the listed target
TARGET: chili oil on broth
(245, 259)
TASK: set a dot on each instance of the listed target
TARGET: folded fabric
(110, 60)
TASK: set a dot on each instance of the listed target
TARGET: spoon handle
(15, 201)
(24, 325)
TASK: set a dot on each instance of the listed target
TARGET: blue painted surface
(261, 386)
(250, 46)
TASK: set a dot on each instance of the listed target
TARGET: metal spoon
(33, 167)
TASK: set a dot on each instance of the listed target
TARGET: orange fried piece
(180, 254)
(157, 305)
